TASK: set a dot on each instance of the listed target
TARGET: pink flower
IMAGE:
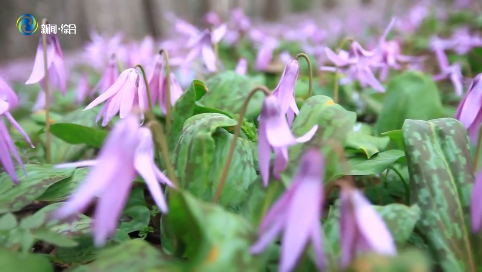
(265, 53)
(285, 91)
(127, 92)
(476, 204)
(8, 98)
(274, 133)
(128, 149)
(175, 93)
(100, 49)
(242, 66)
(469, 112)
(212, 18)
(108, 77)
(297, 213)
(83, 88)
(203, 45)
(55, 64)
(361, 228)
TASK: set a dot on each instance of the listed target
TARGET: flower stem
(168, 91)
(477, 149)
(160, 139)
(237, 130)
(148, 90)
(47, 96)
(343, 42)
(303, 55)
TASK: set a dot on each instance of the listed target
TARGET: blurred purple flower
(285, 57)
(454, 72)
(265, 53)
(361, 228)
(469, 112)
(242, 66)
(297, 213)
(142, 53)
(108, 77)
(8, 98)
(55, 64)
(212, 18)
(83, 88)
(239, 20)
(128, 149)
(414, 19)
(128, 91)
(462, 42)
(175, 94)
(100, 49)
(274, 133)
(203, 45)
(359, 63)
(476, 204)
(285, 91)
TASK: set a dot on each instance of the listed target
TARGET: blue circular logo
(26, 24)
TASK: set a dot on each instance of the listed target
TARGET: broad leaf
(15, 261)
(39, 178)
(61, 190)
(411, 95)
(227, 92)
(78, 134)
(201, 155)
(370, 145)
(441, 174)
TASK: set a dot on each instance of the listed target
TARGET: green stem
(168, 91)
(303, 55)
(47, 96)
(160, 139)
(237, 130)
(342, 44)
(148, 90)
(405, 184)
(477, 150)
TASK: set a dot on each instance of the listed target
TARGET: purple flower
(83, 88)
(265, 53)
(8, 98)
(128, 91)
(99, 50)
(242, 66)
(55, 64)
(108, 77)
(361, 228)
(476, 204)
(285, 91)
(359, 63)
(128, 149)
(212, 18)
(464, 42)
(239, 20)
(469, 112)
(274, 133)
(297, 213)
(175, 93)
(454, 72)
(203, 45)
(141, 53)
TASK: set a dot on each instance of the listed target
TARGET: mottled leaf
(213, 238)
(334, 123)
(370, 145)
(39, 178)
(62, 189)
(78, 134)
(73, 227)
(201, 154)
(83, 253)
(411, 95)
(133, 255)
(227, 92)
(441, 174)
(408, 261)
(54, 238)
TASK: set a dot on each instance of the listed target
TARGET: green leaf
(334, 123)
(441, 174)
(370, 145)
(396, 137)
(78, 134)
(411, 95)
(227, 92)
(8, 222)
(75, 226)
(201, 155)
(134, 218)
(409, 261)
(184, 109)
(62, 189)
(361, 166)
(213, 238)
(133, 255)
(24, 262)
(54, 238)
(83, 253)
(39, 178)
(39, 117)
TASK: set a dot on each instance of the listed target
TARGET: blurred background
(138, 18)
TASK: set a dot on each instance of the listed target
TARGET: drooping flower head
(127, 92)
(128, 150)
(297, 213)
(285, 91)
(469, 112)
(362, 229)
(274, 134)
(55, 64)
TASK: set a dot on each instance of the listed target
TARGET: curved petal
(38, 72)
(58, 63)
(335, 58)
(113, 90)
(209, 58)
(266, 238)
(264, 151)
(308, 135)
(476, 204)
(18, 127)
